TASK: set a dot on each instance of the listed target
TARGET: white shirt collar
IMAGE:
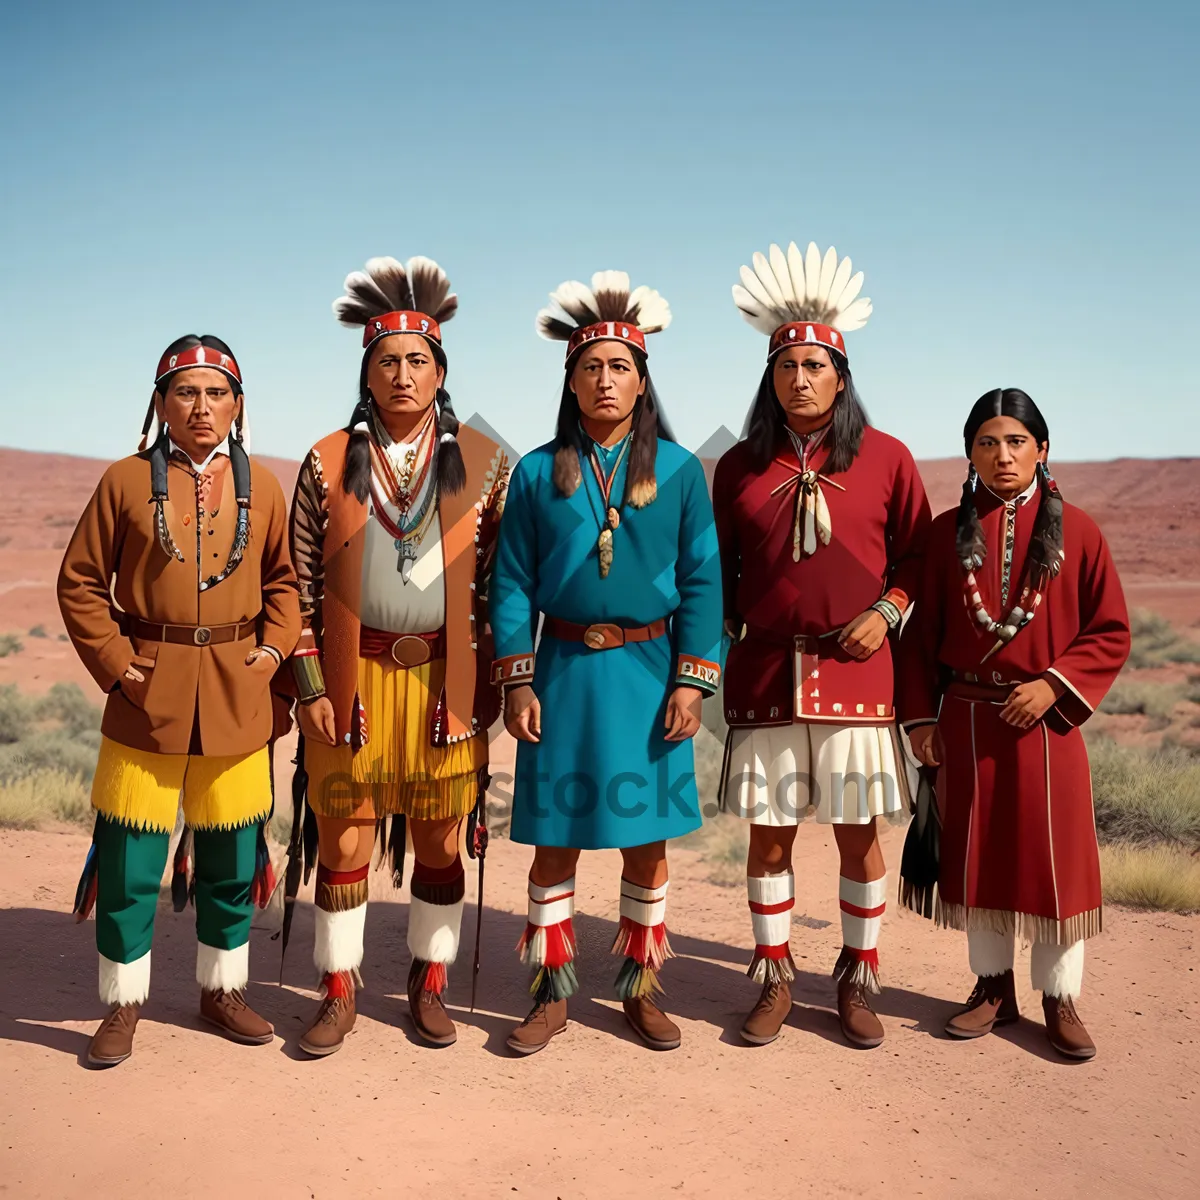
(222, 448)
(1023, 498)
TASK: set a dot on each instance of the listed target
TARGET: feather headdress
(804, 297)
(394, 297)
(608, 309)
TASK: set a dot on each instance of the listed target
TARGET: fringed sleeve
(513, 592)
(1090, 664)
(698, 620)
(309, 520)
(90, 562)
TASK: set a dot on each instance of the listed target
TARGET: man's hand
(261, 658)
(317, 722)
(683, 713)
(1028, 702)
(927, 745)
(523, 713)
(864, 635)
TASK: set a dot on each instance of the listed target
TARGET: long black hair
(1046, 541)
(649, 424)
(766, 424)
(451, 471)
(189, 342)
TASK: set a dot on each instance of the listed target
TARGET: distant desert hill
(1148, 508)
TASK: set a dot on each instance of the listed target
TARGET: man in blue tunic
(608, 534)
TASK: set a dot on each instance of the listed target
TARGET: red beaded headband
(402, 322)
(619, 331)
(198, 356)
(797, 333)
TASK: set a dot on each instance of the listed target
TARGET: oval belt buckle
(596, 637)
(410, 651)
(202, 635)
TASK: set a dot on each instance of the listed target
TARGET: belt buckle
(603, 636)
(406, 654)
(202, 635)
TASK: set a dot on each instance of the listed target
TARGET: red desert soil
(596, 1114)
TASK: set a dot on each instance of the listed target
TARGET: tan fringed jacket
(207, 685)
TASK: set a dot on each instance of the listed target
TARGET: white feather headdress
(388, 285)
(574, 306)
(782, 288)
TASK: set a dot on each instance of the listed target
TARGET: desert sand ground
(596, 1114)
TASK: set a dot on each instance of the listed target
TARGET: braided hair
(766, 423)
(451, 470)
(649, 424)
(1046, 542)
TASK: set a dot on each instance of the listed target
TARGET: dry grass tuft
(45, 796)
(1156, 877)
(1156, 641)
(1145, 797)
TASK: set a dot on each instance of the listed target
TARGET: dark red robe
(879, 516)
(1018, 847)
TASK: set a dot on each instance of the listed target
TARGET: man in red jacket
(820, 519)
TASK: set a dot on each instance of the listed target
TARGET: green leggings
(129, 867)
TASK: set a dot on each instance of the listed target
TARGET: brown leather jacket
(115, 568)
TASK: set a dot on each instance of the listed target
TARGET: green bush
(1145, 797)
(10, 643)
(1156, 878)
(1156, 641)
(38, 631)
(16, 714)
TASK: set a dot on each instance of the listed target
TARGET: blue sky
(1018, 182)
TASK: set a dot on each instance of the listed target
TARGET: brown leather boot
(428, 1012)
(229, 1012)
(768, 1015)
(113, 1041)
(860, 1026)
(334, 1020)
(534, 1033)
(651, 1024)
(992, 1002)
(1064, 1028)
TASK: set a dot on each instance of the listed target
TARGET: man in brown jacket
(179, 595)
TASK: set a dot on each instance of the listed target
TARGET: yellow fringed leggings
(141, 789)
(397, 770)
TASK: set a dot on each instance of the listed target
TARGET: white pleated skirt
(841, 774)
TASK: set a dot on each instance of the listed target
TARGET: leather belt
(405, 650)
(603, 635)
(966, 685)
(190, 635)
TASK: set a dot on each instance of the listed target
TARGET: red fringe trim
(434, 979)
(339, 985)
(263, 887)
(550, 946)
(647, 945)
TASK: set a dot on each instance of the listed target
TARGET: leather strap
(190, 635)
(603, 635)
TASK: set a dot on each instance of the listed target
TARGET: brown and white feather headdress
(607, 309)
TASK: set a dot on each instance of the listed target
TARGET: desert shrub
(51, 750)
(38, 631)
(16, 714)
(1153, 877)
(66, 703)
(35, 799)
(1156, 641)
(1145, 797)
(10, 643)
(1139, 696)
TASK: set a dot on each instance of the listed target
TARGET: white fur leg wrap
(1057, 970)
(551, 905)
(433, 930)
(989, 952)
(125, 983)
(222, 970)
(338, 941)
(642, 905)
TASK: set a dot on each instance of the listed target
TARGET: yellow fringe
(1026, 926)
(397, 770)
(341, 897)
(141, 789)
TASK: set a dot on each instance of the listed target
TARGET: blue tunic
(603, 775)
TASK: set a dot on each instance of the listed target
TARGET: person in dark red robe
(820, 519)
(1019, 630)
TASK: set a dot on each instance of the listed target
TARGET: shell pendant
(605, 546)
